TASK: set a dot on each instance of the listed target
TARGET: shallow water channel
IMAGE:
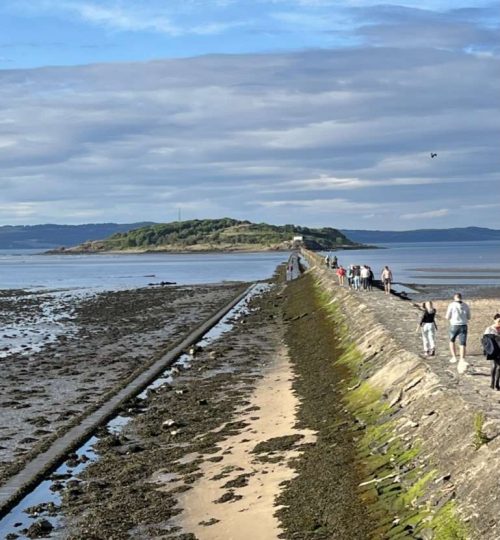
(43, 502)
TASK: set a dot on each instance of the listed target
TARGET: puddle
(17, 521)
(47, 493)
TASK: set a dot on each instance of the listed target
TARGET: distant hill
(215, 235)
(476, 234)
(53, 236)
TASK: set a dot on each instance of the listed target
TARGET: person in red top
(341, 275)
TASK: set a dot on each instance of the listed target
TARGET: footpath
(401, 316)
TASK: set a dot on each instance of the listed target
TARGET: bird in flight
(433, 154)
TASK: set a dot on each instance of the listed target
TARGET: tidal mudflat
(63, 352)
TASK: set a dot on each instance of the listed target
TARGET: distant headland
(215, 235)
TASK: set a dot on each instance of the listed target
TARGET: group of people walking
(359, 277)
(458, 314)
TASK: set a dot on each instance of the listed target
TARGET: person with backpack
(458, 313)
(491, 348)
(428, 327)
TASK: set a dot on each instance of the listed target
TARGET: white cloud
(427, 215)
(321, 205)
(128, 16)
(328, 183)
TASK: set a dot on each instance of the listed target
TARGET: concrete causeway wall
(450, 429)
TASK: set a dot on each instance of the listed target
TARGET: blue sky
(318, 112)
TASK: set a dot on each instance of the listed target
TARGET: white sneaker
(453, 360)
(462, 366)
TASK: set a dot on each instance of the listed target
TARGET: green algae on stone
(480, 436)
(447, 525)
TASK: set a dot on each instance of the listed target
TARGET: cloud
(427, 215)
(470, 30)
(327, 183)
(320, 205)
(128, 16)
(224, 134)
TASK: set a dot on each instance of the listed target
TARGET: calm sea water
(467, 263)
(425, 263)
(29, 269)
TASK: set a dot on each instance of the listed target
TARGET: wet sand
(446, 292)
(257, 482)
(79, 349)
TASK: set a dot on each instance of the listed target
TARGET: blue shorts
(460, 331)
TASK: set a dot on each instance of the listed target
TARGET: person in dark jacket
(491, 348)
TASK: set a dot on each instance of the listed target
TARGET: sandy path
(250, 512)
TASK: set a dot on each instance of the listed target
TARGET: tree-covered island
(224, 234)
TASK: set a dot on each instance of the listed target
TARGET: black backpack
(490, 347)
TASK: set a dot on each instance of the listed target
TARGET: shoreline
(70, 251)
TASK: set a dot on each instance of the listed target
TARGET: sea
(32, 270)
(432, 263)
(471, 263)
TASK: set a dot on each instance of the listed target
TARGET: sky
(313, 112)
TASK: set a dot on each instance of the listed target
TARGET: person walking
(386, 278)
(491, 348)
(356, 277)
(365, 275)
(350, 276)
(458, 313)
(371, 277)
(428, 327)
(341, 275)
